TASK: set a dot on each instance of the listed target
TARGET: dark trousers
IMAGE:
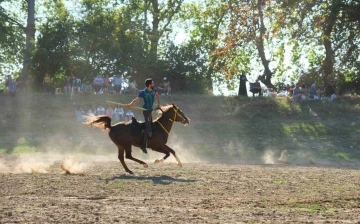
(148, 120)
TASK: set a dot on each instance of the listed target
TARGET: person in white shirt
(118, 113)
(129, 114)
(92, 111)
(79, 115)
(100, 110)
(117, 82)
(133, 87)
(98, 83)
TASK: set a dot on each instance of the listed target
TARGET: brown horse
(124, 135)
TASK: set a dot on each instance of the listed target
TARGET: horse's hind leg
(129, 156)
(121, 158)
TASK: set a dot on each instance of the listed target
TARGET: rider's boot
(144, 143)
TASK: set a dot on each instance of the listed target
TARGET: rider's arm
(157, 98)
(134, 101)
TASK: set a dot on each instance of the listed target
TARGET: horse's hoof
(130, 172)
(145, 165)
(180, 165)
(159, 161)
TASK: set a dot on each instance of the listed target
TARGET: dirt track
(196, 193)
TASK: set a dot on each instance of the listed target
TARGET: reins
(172, 121)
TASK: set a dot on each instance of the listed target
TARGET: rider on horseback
(148, 94)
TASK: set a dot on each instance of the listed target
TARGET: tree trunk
(154, 38)
(266, 76)
(328, 65)
(30, 36)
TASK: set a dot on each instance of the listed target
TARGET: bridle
(172, 121)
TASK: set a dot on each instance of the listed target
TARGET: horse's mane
(162, 110)
(166, 108)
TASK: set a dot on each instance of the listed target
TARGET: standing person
(117, 82)
(133, 87)
(242, 87)
(67, 85)
(166, 88)
(46, 83)
(148, 94)
(76, 84)
(98, 84)
(106, 83)
(19, 83)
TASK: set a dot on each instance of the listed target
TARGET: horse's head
(179, 116)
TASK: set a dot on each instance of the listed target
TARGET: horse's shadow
(163, 179)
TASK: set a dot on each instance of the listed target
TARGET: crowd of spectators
(117, 114)
(301, 93)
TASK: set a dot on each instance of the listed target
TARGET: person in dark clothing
(148, 95)
(242, 87)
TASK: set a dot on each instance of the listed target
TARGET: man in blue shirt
(148, 94)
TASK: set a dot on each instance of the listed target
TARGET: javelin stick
(123, 104)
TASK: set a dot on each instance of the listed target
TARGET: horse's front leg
(166, 150)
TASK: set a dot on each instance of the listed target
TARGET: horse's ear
(174, 105)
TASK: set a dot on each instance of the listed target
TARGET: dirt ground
(195, 193)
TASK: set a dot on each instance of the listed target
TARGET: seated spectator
(109, 112)
(291, 90)
(165, 87)
(329, 92)
(297, 94)
(92, 111)
(118, 114)
(117, 82)
(129, 114)
(100, 110)
(12, 87)
(79, 114)
(86, 88)
(98, 84)
(313, 94)
(304, 90)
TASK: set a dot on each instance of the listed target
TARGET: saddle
(139, 126)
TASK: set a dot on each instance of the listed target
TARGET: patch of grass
(117, 185)
(312, 208)
(20, 149)
(342, 155)
(279, 180)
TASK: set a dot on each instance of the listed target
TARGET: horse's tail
(101, 121)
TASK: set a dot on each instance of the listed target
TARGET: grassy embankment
(222, 129)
